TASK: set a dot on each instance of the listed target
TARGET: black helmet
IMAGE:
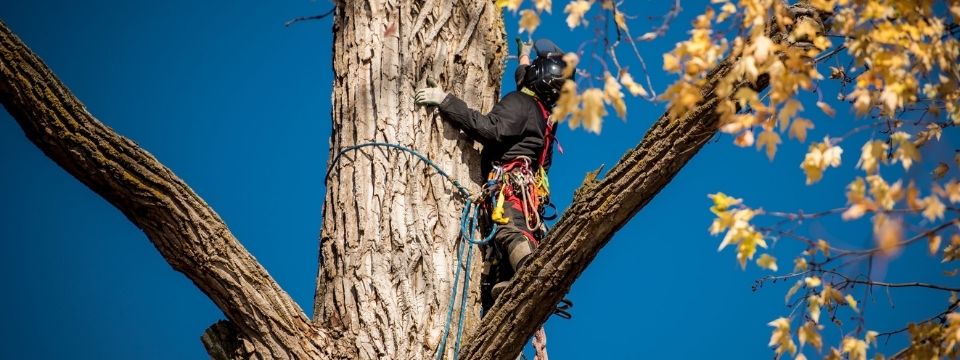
(545, 77)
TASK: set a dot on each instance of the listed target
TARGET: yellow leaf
(888, 233)
(812, 281)
(799, 128)
(748, 246)
(770, 139)
(813, 308)
(952, 251)
(767, 262)
(891, 100)
(568, 104)
(933, 243)
(808, 333)
(819, 157)
(855, 348)
(872, 154)
(793, 290)
(529, 20)
(856, 190)
(725, 11)
(722, 202)
(647, 36)
(571, 59)
(800, 264)
(871, 337)
(952, 189)
(852, 302)
(762, 48)
(824, 5)
(788, 110)
(575, 10)
(593, 111)
(824, 247)
(906, 151)
(745, 139)
(671, 63)
(913, 195)
(513, 5)
(634, 88)
(854, 212)
(933, 208)
(543, 5)
(612, 95)
(830, 294)
(826, 108)
(940, 170)
(620, 20)
(781, 337)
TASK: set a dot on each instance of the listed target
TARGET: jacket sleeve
(504, 121)
(519, 74)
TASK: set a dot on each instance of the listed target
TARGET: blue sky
(238, 106)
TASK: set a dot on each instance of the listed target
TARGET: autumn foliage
(896, 66)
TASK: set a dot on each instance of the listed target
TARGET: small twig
(305, 18)
(891, 285)
(949, 309)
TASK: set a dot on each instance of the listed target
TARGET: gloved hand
(430, 96)
(524, 47)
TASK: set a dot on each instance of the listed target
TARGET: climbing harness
(517, 179)
(469, 236)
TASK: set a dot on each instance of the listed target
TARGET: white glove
(431, 96)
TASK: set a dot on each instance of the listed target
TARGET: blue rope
(469, 222)
(463, 191)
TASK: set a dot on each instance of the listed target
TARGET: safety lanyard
(549, 135)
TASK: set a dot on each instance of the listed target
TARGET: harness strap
(549, 135)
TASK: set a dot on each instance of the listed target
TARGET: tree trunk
(390, 224)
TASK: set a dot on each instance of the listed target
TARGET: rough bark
(390, 224)
(186, 231)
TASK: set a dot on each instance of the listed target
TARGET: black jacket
(514, 127)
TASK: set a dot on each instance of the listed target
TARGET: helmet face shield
(545, 77)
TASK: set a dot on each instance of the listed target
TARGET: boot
(518, 251)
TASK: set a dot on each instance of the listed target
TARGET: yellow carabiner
(543, 183)
(497, 215)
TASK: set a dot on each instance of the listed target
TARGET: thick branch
(187, 232)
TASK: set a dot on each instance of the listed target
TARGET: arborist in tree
(517, 137)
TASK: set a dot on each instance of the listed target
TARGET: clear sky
(238, 106)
